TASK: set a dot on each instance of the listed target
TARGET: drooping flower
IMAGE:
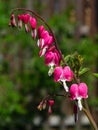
(77, 92)
(40, 30)
(12, 21)
(25, 19)
(51, 103)
(20, 19)
(63, 75)
(52, 58)
(33, 23)
(45, 40)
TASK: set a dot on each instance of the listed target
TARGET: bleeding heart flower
(20, 19)
(40, 30)
(25, 19)
(12, 21)
(52, 58)
(33, 23)
(45, 40)
(77, 92)
(51, 103)
(63, 75)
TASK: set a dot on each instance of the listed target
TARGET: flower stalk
(38, 16)
(52, 58)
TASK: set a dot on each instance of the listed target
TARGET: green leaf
(95, 74)
(83, 71)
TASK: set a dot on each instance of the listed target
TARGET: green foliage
(75, 61)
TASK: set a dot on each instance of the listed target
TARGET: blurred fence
(55, 122)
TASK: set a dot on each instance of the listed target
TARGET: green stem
(88, 114)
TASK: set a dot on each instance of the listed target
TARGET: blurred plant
(65, 68)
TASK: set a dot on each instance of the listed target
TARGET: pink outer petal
(58, 71)
(52, 48)
(33, 22)
(57, 58)
(40, 30)
(74, 91)
(42, 51)
(20, 17)
(49, 57)
(83, 90)
(25, 18)
(44, 34)
(68, 74)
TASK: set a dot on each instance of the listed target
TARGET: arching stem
(88, 114)
(38, 16)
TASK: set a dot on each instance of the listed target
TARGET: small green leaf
(83, 71)
(95, 74)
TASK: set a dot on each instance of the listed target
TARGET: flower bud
(12, 21)
(40, 106)
(51, 103)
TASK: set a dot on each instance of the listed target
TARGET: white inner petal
(35, 33)
(38, 42)
(65, 85)
(44, 51)
(50, 72)
(79, 103)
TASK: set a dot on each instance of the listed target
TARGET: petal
(57, 58)
(33, 33)
(33, 22)
(25, 18)
(58, 73)
(49, 57)
(42, 51)
(79, 104)
(65, 85)
(50, 72)
(83, 90)
(27, 28)
(68, 74)
(74, 91)
(40, 30)
(40, 43)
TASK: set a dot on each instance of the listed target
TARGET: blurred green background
(23, 76)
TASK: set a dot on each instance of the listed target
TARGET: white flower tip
(65, 86)
(80, 104)
(50, 72)
(38, 42)
(67, 89)
(33, 34)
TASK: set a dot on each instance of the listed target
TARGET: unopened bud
(44, 106)
(40, 106)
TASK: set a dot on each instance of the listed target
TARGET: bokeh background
(23, 76)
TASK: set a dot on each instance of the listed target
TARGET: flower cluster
(52, 58)
(44, 103)
(27, 20)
